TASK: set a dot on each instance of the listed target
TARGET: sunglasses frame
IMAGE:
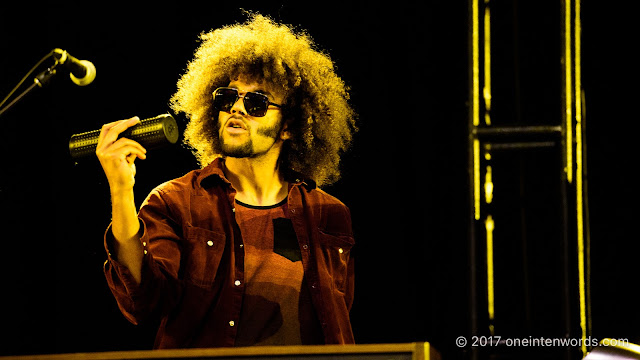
(250, 110)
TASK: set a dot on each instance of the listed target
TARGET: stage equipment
(612, 349)
(528, 209)
(408, 351)
(81, 72)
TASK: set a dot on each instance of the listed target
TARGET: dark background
(405, 179)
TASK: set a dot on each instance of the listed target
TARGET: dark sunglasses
(255, 103)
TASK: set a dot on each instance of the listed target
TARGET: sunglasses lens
(256, 104)
(224, 99)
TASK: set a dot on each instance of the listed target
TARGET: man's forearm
(125, 227)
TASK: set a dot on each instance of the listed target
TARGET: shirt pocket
(335, 252)
(202, 253)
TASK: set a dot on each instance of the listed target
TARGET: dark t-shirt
(276, 308)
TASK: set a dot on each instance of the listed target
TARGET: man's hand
(117, 156)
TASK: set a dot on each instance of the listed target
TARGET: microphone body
(82, 72)
(151, 133)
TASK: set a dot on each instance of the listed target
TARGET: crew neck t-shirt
(277, 307)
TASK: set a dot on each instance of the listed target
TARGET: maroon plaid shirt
(193, 267)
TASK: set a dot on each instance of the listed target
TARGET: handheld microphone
(82, 72)
(151, 133)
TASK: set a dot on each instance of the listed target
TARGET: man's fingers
(129, 146)
(122, 147)
(131, 158)
(110, 132)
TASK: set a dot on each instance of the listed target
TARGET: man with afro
(247, 250)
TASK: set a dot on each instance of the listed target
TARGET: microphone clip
(44, 78)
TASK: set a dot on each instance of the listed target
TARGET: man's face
(242, 135)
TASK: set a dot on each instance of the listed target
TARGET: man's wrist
(121, 193)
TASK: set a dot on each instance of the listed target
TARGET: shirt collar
(213, 173)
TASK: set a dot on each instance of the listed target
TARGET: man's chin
(237, 151)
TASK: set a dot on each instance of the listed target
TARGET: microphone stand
(41, 80)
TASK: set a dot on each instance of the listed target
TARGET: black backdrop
(405, 179)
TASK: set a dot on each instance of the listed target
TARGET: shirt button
(293, 211)
(144, 243)
(237, 282)
(305, 246)
(145, 252)
(232, 323)
(210, 243)
(340, 250)
(241, 245)
(233, 209)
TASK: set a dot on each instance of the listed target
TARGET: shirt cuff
(117, 271)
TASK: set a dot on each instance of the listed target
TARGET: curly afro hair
(316, 106)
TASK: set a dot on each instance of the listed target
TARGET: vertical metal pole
(567, 162)
(582, 255)
(574, 163)
(488, 182)
(568, 86)
(473, 157)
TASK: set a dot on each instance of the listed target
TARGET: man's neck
(257, 180)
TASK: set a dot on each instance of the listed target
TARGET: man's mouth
(236, 124)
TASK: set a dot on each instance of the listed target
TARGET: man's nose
(238, 106)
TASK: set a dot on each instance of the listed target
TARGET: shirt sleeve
(120, 281)
(350, 286)
(161, 258)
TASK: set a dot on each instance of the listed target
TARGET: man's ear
(285, 134)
